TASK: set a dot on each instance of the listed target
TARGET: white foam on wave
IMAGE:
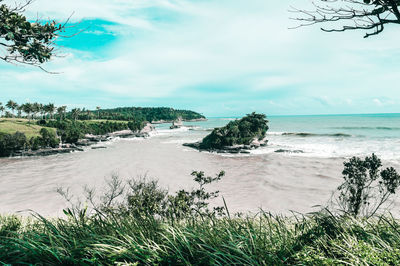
(275, 133)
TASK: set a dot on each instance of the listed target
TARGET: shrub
(10, 143)
(144, 199)
(366, 188)
(48, 138)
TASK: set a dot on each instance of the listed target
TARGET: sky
(216, 57)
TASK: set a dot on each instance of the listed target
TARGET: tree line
(51, 111)
(31, 110)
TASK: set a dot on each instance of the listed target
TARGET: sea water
(305, 174)
(318, 136)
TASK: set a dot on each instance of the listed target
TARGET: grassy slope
(12, 125)
(31, 129)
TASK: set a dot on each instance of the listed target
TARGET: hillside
(29, 128)
(151, 114)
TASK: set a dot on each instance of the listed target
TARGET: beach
(301, 177)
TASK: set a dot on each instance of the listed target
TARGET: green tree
(98, 111)
(28, 109)
(12, 106)
(61, 111)
(36, 107)
(19, 110)
(24, 41)
(50, 109)
(42, 111)
(1, 109)
(75, 113)
(370, 16)
(366, 188)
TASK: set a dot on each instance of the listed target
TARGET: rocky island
(239, 136)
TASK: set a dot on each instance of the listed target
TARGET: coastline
(87, 141)
(184, 120)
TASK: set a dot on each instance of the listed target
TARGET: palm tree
(61, 111)
(19, 109)
(12, 106)
(42, 111)
(35, 109)
(98, 112)
(50, 108)
(75, 113)
(28, 109)
(1, 109)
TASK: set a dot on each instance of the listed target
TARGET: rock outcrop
(231, 149)
(177, 123)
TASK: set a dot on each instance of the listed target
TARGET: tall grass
(147, 226)
(264, 239)
(320, 238)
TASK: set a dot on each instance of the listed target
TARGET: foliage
(365, 15)
(140, 114)
(366, 188)
(143, 198)
(242, 131)
(12, 143)
(142, 235)
(24, 41)
(136, 125)
(70, 131)
(47, 138)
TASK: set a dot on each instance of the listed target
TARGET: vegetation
(151, 114)
(366, 15)
(29, 118)
(17, 142)
(24, 41)
(366, 188)
(136, 222)
(50, 111)
(71, 131)
(238, 132)
(13, 125)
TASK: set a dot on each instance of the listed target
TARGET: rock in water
(237, 136)
(177, 123)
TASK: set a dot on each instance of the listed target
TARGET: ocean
(305, 172)
(324, 136)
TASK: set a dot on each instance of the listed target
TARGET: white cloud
(242, 45)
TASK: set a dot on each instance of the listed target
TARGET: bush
(71, 131)
(366, 188)
(120, 235)
(11, 143)
(48, 138)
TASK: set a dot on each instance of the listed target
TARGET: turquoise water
(319, 135)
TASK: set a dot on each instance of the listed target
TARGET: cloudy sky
(217, 57)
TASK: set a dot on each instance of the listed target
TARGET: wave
(302, 134)
(288, 151)
(368, 128)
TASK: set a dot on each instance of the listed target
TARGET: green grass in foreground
(29, 128)
(320, 239)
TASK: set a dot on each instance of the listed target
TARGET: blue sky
(220, 58)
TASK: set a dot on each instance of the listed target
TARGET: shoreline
(184, 120)
(236, 149)
(89, 140)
